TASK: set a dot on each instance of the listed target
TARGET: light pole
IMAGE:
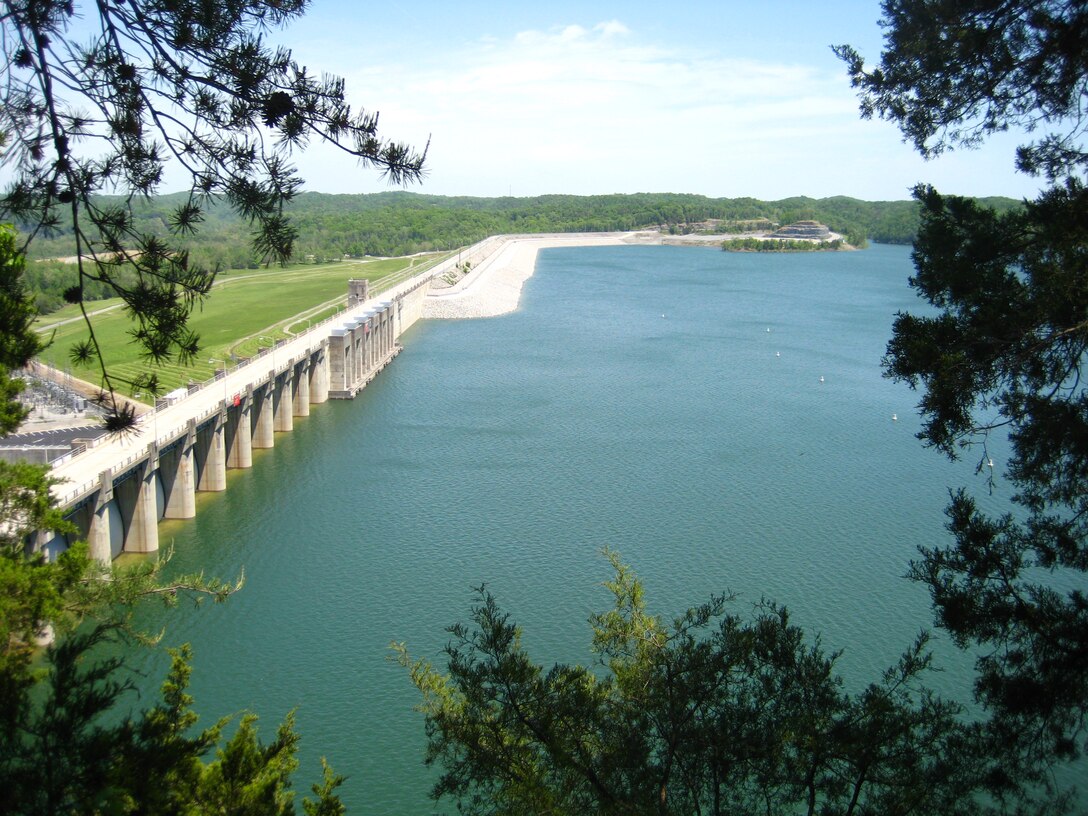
(154, 415)
(272, 345)
(224, 362)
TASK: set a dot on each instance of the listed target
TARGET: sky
(724, 99)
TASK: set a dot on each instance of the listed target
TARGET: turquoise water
(637, 401)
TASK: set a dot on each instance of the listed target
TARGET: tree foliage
(779, 245)
(953, 73)
(714, 714)
(60, 755)
(108, 97)
(1004, 352)
(17, 342)
(402, 223)
(1004, 355)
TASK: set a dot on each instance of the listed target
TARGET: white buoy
(821, 378)
(895, 417)
(768, 329)
(778, 354)
(990, 463)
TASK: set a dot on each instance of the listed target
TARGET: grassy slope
(245, 311)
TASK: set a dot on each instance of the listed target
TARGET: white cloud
(601, 109)
(612, 28)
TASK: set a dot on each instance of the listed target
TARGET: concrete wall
(410, 308)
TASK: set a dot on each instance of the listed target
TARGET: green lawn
(245, 311)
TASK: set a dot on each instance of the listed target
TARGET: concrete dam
(117, 488)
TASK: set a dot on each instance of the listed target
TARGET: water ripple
(511, 451)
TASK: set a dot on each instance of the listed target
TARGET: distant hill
(401, 223)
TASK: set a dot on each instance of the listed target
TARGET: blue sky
(723, 99)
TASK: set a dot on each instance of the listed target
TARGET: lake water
(665, 402)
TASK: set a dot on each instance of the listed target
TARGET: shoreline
(493, 287)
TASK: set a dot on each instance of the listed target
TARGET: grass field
(246, 310)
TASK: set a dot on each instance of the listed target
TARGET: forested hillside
(401, 223)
